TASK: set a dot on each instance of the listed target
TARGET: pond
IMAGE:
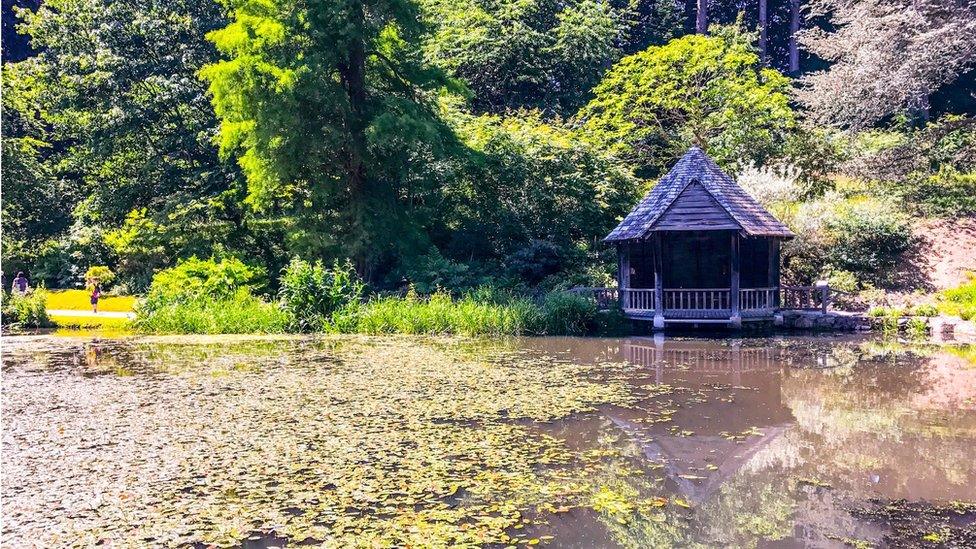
(563, 442)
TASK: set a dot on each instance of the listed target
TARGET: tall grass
(470, 315)
(242, 313)
(439, 314)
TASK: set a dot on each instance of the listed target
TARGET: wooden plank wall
(695, 209)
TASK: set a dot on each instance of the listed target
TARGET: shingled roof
(697, 195)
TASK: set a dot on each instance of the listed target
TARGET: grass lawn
(80, 300)
(83, 322)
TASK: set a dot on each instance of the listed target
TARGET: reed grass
(241, 314)
(438, 314)
(559, 314)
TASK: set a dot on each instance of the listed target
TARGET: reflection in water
(779, 439)
(717, 442)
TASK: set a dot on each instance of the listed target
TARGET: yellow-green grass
(80, 300)
(88, 322)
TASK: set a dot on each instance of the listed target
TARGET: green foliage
(25, 311)
(867, 238)
(326, 106)
(568, 314)
(100, 274)
(311, 293)
(484, 311)
(537, 53)
(959, 301)
(710, 91)
(917, 327)
(119, 124)
(925, 309)
(532, 200)
(198, 279)
(862, 236)
(877, 312)
(946, 193)
(206, 296)
(440, 314)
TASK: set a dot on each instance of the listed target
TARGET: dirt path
(943, 254)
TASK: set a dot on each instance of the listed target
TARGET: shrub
(101, 274)
(867, 238)
(947, 193)
(877, 312)
(310, 293)
(194, 279)
(771, 184)
(207, 297)
(960, 301)
(925, 309)
(863, 236)
(25, 311)
(568, 314)
(917, 327)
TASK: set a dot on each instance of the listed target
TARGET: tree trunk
(353, 74)
(701, 23)
(794, 29)
(763, 31)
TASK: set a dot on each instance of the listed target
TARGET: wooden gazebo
(698, 249)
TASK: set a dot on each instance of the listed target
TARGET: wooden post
(824, 297)
(736, 318)
(658, 281)
(623, 276)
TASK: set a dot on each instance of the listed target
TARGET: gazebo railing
(757, 298)
(640, 299)
(605, 298)
(714, 299)
(697, 299)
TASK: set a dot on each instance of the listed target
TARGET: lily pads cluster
(344, 442)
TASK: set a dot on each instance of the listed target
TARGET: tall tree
(887, 57)
(710, 91)
(794, 36)
(327, 107)
(763, 32)
(701, 17)
(116, 94)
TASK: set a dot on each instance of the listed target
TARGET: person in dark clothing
(20, 284)
(96, 293)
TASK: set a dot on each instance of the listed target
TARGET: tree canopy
(709, 91)
(449, 143)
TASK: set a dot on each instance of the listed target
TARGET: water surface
(566, 442)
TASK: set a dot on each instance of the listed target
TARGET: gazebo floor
(700, 316)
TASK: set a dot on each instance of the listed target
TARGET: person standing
(96, 293)
(20, 284)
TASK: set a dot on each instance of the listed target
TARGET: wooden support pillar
(658, 281)
(623, 274)
(736, 318)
